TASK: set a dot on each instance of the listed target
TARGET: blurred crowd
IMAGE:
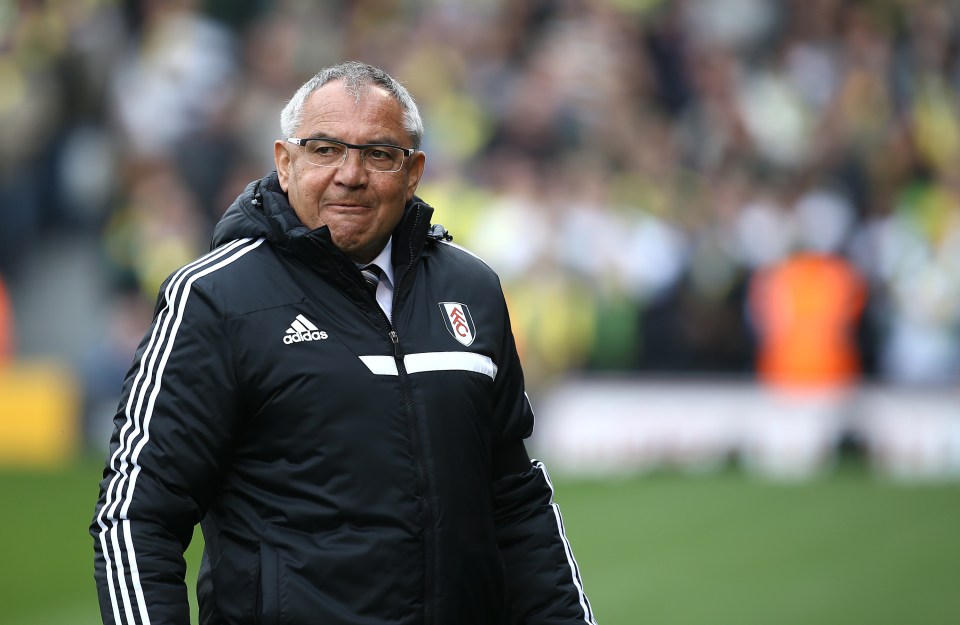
(724, 187)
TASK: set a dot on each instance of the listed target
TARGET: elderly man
(334, 394)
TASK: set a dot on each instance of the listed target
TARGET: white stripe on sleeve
(138, 422)
(588, 617)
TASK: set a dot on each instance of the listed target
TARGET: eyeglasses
(380, 157)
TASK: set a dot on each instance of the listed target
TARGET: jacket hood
(262, 210)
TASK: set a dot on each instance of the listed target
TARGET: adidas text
(315, 335)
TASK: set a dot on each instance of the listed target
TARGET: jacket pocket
(268, 595)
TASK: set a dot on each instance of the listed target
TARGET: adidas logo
(302, 330)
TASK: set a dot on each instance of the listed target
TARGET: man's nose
(352, 172)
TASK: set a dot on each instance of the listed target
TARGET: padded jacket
(344, 469)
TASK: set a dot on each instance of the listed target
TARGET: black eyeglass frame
(407, 152)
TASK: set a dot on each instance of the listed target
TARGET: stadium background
(635, 170)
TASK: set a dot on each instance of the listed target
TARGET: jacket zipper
(422, 479)
(414, 433)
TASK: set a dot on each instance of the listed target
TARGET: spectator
(6, 327)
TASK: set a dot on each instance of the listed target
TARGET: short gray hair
(356, 77)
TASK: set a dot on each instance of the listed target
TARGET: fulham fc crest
(459, 322)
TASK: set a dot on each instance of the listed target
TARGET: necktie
(371, 273)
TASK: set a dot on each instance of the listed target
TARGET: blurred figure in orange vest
(806, 306)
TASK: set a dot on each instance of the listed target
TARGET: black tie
(371, 273)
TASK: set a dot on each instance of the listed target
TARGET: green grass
(849, 549)
(47, 572)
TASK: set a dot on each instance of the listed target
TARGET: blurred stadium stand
(612, 428)
(632, 168)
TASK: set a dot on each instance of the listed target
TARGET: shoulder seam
(466, 251)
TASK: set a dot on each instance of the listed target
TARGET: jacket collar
(263, 210)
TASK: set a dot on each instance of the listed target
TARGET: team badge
(459, 322)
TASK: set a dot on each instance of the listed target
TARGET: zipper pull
(396, 342)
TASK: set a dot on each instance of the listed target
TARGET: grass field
(848, 549)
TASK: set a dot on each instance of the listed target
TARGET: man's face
(360, 207)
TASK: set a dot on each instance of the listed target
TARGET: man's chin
(359, 251)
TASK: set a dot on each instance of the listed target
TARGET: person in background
(6, 327)
(806, 305)
(333, 393)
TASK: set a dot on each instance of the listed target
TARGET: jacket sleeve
(171, 434)
(543, 579)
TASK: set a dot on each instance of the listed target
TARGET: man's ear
(281, 158)
(417, 161)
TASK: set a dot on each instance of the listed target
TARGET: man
(350, 437)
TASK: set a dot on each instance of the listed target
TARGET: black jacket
(344, 469)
